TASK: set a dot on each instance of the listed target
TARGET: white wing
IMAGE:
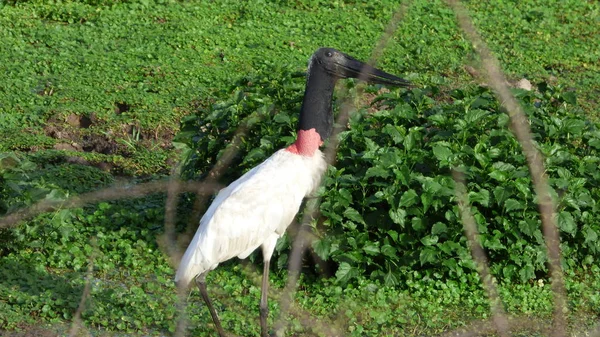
(257, 207)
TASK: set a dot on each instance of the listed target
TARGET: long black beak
(349, 67)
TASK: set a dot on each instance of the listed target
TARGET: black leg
(264, 307)
(201, 283)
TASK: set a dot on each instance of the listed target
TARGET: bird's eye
(329, 54)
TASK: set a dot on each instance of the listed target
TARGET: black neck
(316, 110)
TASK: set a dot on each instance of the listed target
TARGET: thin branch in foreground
(489, 281)
(107, 194)
(168, 240)
(76, 324)
(521, 130)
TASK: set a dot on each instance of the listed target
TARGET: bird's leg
(264, 307)
(201, 283)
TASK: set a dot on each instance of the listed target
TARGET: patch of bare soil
(74, 134)
(79, 121)
(76, 139)
(30, 331)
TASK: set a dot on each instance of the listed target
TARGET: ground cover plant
(94, 92)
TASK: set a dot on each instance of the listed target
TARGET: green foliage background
(94, 92)
(388, 204)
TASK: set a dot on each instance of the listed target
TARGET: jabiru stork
(256, 209)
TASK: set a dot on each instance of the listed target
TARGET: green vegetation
(99, 88)
(393, 170)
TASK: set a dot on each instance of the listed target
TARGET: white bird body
(253, 211)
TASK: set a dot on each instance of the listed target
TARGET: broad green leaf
(322, 248)
(429, 240)
(389, 251)
(58, 195)
(584, 199)
(566, 223)
(509, 271)
(282, 118)
(564, 173)
(394, 235)
(449, 247)
(377, 171)
(426, 200)
(428, 255)
(483, 158)
(393, 132)
(503, 120)
(522, 184)
(527, 272)
(345, 197)
(529, 227)
(494, 152)
(390, 279)
(442, 153)
(352, 242)
(570, 201)
(451, 265)
(431, 186)
(482, 197)
(501, 194)
(473, 116)
(398, 216)
(409, 198)
(595, 143)
(560, 183)
(403, 175)
(353, 215)
(439, 228)
(499, 176)
(574, 126)
(492, 242)
(590, 235)
(481, 102)
(502, 166)
(413, 137)
(438, 119)
(371, 146)
(391, 158)
(417, 224)
(577, 183)
(345, 273)
(512, 204)
(371, 248)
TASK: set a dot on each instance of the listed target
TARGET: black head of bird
(325, 68)
(341, 65)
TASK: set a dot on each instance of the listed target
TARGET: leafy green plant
(389, 202)
(123, 252)
(392, 197)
